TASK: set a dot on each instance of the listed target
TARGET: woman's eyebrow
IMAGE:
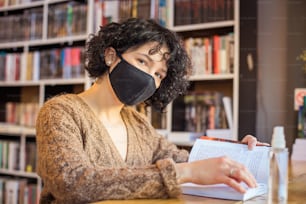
(151, 59)
(165, 69)
(146, 56)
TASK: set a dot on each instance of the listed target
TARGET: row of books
(197, 112)
(5, 3)
(67, 19)
(29, 23)
(211, 55)
(107, 11)
(202, 11)
(17, 191)
(185, 11)
(44, 64)
(23, 114)
(12, 158)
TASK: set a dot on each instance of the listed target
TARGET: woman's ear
(110, 56)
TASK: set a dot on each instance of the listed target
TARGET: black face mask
(130, 84)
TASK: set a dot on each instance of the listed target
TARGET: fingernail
(252, 146)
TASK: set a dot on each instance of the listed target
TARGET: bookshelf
(226, 83)
(40, 64)
(41, 55)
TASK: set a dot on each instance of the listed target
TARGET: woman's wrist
(183, 173)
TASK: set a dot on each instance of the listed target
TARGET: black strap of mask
(119, 55)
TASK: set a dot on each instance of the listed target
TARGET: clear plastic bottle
(278, 176)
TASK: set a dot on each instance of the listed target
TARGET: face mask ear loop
(119, 55)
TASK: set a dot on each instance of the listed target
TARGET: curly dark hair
(133, 33)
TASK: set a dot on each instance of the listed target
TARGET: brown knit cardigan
(79, 163)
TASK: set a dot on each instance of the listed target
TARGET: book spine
(302, 119)
(23, 114)
(199, 111)
(68, 19)
(211, 55)
(14, 191)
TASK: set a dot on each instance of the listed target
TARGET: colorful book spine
(211, 55)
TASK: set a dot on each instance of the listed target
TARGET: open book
(256, 160)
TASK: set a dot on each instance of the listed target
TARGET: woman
(94, 146)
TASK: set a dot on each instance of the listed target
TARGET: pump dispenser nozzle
(278, 137)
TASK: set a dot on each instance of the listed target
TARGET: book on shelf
(13, 155)
(10, 155)
(13, 160)
(67, 19)
(4, 154)
(35, 68)
(29, 23)
(105, 11)
(212, 54)
(143, 9)
(227, 103)
(23, 114)
(256, 160)
(202, 11)
(2, 66)
(13, 191)
(199, 111)
(55, 63)
(30, 157)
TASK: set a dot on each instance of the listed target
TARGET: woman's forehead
(154, 45)
(160, 52)
(156, 51)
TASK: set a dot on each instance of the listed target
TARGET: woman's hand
(214, 171)
(252, 142)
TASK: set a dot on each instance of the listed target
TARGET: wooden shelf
(19, 173)
(202, 26)
(211, 77)
(12, 129)
(43, 82)
(22, 6)
(43, 42)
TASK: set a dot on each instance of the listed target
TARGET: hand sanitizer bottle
(278, 177)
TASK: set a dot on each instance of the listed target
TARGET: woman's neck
(102, 100)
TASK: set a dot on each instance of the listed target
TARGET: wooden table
(296, 192)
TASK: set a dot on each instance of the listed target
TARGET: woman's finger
(240, 173)
(250, 140)
(234, 184)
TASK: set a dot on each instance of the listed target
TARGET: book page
(256, 160)
(222, 191)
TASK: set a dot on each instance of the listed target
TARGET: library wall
(281, 38)
(296, 43)
(272, 49)
(247, 68)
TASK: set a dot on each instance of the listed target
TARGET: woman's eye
(158, 75)
(141, 61)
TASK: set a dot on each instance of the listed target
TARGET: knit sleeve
(70, 177)
(165, 149)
